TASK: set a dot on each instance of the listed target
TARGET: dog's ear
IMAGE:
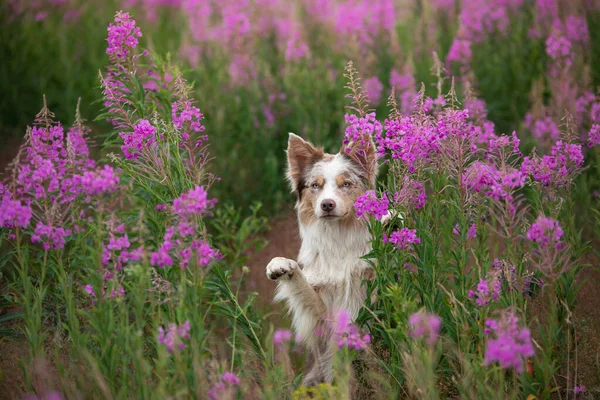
(363, 153)
(300, 154)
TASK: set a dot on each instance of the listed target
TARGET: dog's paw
(390, 215)
(281, 267)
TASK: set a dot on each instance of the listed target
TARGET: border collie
(329, 271)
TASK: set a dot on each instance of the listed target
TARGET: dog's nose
(327, 205)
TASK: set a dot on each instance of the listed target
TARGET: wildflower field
(144, 143)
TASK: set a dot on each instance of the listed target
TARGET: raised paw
(281, 267)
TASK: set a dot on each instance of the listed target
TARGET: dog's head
(328, 184)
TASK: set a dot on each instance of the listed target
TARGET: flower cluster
(181, 240)
(225, 385)
(173, 338)
(122, 36)
(497, 184)
(405, 86)
(509, 344)
(187, 119)
(51, 237)
(412, 194)
(558, 168)
(402, 238)
(546, 231)
(99, 181)
(13, 213)
(486, 292)
(594, 136)
(143, 135)
(361, 129)
(368, 204)
(374, 89)
(117, 250)
(426, 326)
(558, 48)
(281, 336)
(471, 232)
(347, 334)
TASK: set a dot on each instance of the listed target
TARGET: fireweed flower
(412, 194)
(99, 181)
(50, 237)
(460, 52)
(368, 204)
(347, 334)
(402, 238)
(558, 168)
(187, 119)
(360, 128)
(579, 389)
(471, 232)
(374, 89)
(174, 336)
(508, 344)
(426, 326)
(281, 336)
(13, 213)
(542, 128)
(225, 385)
(594, 136)
(144, 134)
(486, 292)
(122, 36)
(546, 231)
(193, 202)
(558, 47)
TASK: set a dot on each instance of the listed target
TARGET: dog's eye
(315, 185)
(347, 184)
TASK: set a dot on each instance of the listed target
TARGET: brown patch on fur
(319, 180)
(306, 207)
(340, 179)
(301, 154)
(365, 156)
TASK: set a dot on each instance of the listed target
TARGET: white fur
(328, 274)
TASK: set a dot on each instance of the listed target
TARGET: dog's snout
(327, 205)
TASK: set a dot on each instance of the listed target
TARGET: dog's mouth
(332, 216)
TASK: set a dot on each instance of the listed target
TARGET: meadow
(144, 144)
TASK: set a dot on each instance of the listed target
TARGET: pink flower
(122, 36)
(545, 231)
(402, 238)
(509, 344)
(426, 326)
(144, 134)
(281, 336)
(368, 204)
(374, 89)
(174, 337)
(347, 334)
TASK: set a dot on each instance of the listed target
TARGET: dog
(329, 272)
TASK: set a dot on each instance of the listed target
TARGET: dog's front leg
(293, 288)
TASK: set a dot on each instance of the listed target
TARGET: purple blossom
(558, 47)
(486, 292)
(281, 336)
(594, 136)
(459, 52)
(579, 389)
(509, 344)
(545, 231)
(50, 237)
(122, 36)
(368, 204)
(374, 89)
(426, 326)
(143, 135)
(89, 289)
(412, 194)
(361, 128)
(187, 118)
(13, 213)
(193, 202)
(402, 238)
(577, 29)
(97, 182)
(225, 385)
(347, 334)
(471, 232)
(174, 336)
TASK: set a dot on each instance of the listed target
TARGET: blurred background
(263, 68)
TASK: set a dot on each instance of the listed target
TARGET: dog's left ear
(301, 154)
(363, 153)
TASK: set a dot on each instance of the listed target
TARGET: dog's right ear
(300, 154)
